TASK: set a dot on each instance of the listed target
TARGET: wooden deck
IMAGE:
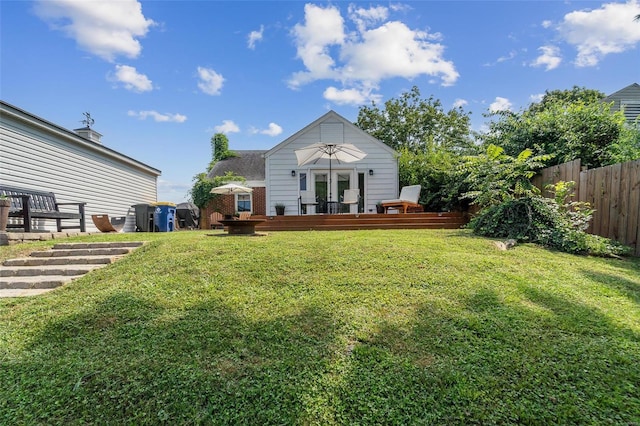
(328, 222)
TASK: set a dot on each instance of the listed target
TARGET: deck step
(45, 270)
(442, 220)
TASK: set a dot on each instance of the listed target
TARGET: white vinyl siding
(332, 133)
(281, 160)
(37, 155)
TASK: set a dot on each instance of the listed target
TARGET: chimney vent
(87, 132)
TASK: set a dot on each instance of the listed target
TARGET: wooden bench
(27, 204)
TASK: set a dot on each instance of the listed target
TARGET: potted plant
(379, 208)
(5, 205)
(280, 209)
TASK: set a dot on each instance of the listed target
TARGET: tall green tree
(429, 141)
(416, 124)
(567, 97)
(567, 124)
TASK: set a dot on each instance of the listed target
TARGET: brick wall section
(225, 204)
(260, 201)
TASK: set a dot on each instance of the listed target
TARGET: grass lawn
(355, 327)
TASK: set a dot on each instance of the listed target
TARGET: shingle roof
(248, 164)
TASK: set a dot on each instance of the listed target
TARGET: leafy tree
(201, 194)
(419, 125)
(429, 141)
(441, 186)
(627, 147)
(568, 124)
(495, 177)
(220, 149)
(566, 97)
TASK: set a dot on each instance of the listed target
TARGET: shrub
(543, 221)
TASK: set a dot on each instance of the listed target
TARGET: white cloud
(550, 58)
(500, 104)
(131, 79)
(394, 50)
(322, 29)
(255, 36)
(104, 28)
(272, 130)
(158, 117)
(536, 98)
(508, 57)
(400, 7)
(227, 126)
(210, 81)
(365, 18)
(350, 96)
(459, 103)
(547, 24)
(600, 32)
(362, 57)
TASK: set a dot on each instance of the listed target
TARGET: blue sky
(161, 77)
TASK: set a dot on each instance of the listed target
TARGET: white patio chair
(307, 199)
(351, 196)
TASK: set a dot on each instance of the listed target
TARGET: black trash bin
(164, 215)
(144, 217)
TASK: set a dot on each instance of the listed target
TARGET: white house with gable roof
(315, 188)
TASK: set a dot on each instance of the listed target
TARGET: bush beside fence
(613, 191)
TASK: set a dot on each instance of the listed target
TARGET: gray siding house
(627, 100)
(37, 154)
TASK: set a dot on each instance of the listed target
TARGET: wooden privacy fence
(613, 191)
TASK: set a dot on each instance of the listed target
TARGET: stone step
(129, 244)
(114, 251)
(21, 271)
(62, 260)
(46, 270)
(23, 292)
(36, 282)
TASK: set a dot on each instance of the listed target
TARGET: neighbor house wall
(36, 154)
(627, 99)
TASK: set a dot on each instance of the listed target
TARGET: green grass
(357, 327)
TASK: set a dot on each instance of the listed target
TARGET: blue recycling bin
(164, 216)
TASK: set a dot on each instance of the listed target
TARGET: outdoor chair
(214, 220)
(306, 199)
(351, 196)
(104, 224)
(409, 196)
